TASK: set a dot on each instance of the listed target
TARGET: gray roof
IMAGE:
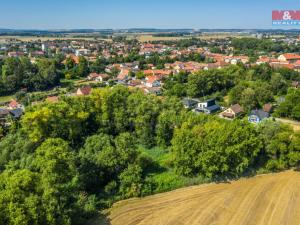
(210, 102)
(213, 108)
(3, 112)
(260, 114)
(16, 113)
(189, 101)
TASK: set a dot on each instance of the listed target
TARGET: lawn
(6, 98)
(158, 154)
(75, 82)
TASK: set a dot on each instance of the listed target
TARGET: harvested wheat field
(263, 200)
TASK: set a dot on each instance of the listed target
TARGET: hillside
(263, 200)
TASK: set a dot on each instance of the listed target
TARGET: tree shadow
(297, 169)
(154, 168)
(101, 219)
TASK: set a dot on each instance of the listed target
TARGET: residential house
(268, 60)
(282, 65)
(268, 108)
(134, 66)
(234, 59)
(233, 112)
(82, 91)
(15, 54)
(44, 47)
(123, 75)
(160, 73)
(297, 65)
(110, 68)
(102, 77)
(37, 54)
(152, 81)
(263, 60)
(217, 57)
(256, 116)
(98, 77)
(208, 106)
(92, 76)
(148, 48)
(289, 57)
(190, 103)
(185, 66)
(16, 113)
(152, 90)
(82, 52)
(13, 104)
(135, 82)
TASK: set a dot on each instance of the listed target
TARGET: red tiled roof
(148, 72)
(157, 72)
(13, 104)
(297, 63)
(123, 74)
(268, 108)
(151, 79)
(290, 56)
(282, 65)
(84, 90)
(264, 59)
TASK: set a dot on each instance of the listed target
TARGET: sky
(103, 14)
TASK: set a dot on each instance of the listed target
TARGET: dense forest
(20, 73)
(63, 162)
(251, 46)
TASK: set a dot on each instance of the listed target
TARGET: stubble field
(272, 199)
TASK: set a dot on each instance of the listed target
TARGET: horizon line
(142, 28)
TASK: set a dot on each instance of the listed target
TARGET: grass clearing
(163, 175)
(158, 154)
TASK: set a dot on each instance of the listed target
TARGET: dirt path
(293, 123)
(272, 199)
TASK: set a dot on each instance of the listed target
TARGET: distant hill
(23, 32)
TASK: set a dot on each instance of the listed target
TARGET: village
(136, 71)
